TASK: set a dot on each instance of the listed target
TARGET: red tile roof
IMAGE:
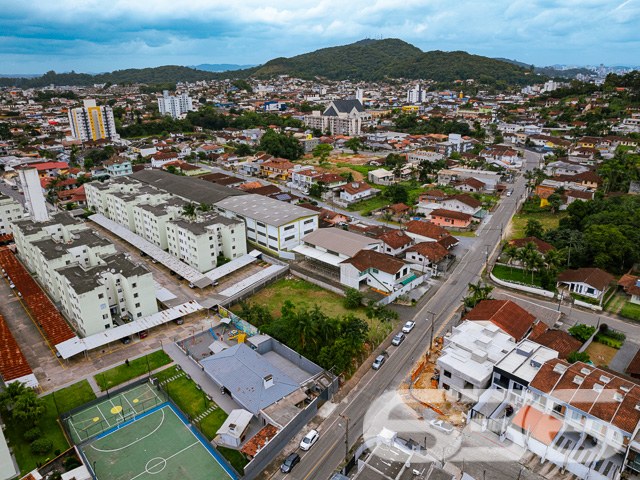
(431, 250)
(356, 187)
(441, 212)
(426, 229)
(366, 259)
(542, 247)
(13, 363)
(630, 284)
(395, 238)
(507, 315)
(557, 340)
(591, 276)
(259, 440)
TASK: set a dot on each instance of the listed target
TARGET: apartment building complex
(10, 211)
(174, 105)
(95, 285)
(158, 216)
(92, 122)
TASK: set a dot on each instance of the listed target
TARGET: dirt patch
(600, 355)
(352, 159)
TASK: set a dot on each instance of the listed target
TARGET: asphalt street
(361, 404)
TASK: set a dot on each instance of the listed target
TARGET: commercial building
(33, 195)
(79, 268)
(92, 122)
(174, 105)
(272, 224)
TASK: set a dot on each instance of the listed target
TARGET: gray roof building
(341, 241)
(253, 382)
(267, 210)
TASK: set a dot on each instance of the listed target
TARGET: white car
(309, 440)
(442, 426)
(408, 327)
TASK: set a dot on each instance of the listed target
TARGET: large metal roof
(155, 252)
(233, 265)
(77, 345)
(252, 280)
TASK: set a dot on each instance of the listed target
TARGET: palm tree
(510, 254)
(527, 252)
(536, 262)
(479, 292)
(203, 207)
(189, 210)
(11, 392)
(305, 328)
(553, 259)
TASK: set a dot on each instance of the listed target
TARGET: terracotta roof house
(450, 218)
(395, 241)
(428, 255)
(377, 270)
(631, 285)
(590, 282)
(472, 185)
(558, 340)
(505, 314)
(542, 247)
(432, 196)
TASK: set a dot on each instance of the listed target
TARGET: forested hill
(369, 60)
(552, 72)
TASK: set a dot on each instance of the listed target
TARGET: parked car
(309, 440)
(171, 272)
(180, 277)
(179, 321)
(144, 334)
(11, 285)
(408, 327)
(398, 339)
(291, 461)
(153, 260)
(125, 340)
(378, 362)
(191, 285)
(510, 192)
(142, 254)
(441, 425)
(216, 283)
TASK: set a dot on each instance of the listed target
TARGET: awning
(409, 279)
(543, 427)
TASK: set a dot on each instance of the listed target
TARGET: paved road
(360, 405)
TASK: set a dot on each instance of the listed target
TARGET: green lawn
(614, 303)
(631, 310)
(210, 424)
(139, 366)
(57, 402)
(235, 458)
(463, 234)
(548, 221)
(609, 341)
(505, 273)
(582, 298)
(362, 169)
(184, 393)
(172, 371)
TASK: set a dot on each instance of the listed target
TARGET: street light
(346, 439)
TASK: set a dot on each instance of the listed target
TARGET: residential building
(117, 166)
(510, 317)
(176, 105)
(341, 117)
(462, 202)
(10, 211)
(271, 224)
(468, 356)
(381, 176)
(423, 231)
(353, 192)
(377, 270)
(589, 282)
(92, 122)
(631, 286)
(416, 95)
(450, 218)
(428, 256)
(395, 242)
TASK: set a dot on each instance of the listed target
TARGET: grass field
(631, 310)
(159, 446)
(503, 272)
(608, 341)
(600, 354)
(169, 372)
(302, 294)
(235, 458)
(139, 366)
(184, 393)
(59, 401)
(519, 222)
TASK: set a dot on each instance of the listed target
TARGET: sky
(96, 35)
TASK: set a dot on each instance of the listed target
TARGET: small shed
(235, 427)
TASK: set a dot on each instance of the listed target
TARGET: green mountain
(369, 60)
(552, 72)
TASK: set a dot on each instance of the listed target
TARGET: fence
(238, 322)
(238, 297)
(536, 290)
(306, 275)
(406, 288)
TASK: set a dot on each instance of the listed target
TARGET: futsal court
(159, 445)
(118, 409)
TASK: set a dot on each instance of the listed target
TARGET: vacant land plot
(519, 222)
(600, 354)
(516, 275)
(631, 310)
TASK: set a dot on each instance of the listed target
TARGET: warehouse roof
(265, 209)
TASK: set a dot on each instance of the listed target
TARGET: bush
(353, 297)
(582, 332)
(578, 357)
(31, 434)
(42, 445)
(71, 463)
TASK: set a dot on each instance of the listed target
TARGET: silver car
(398, 339)
(441, 425)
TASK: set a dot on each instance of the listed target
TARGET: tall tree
(533, 228)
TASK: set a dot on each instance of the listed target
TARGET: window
(103, 306)
(137, 305)
(375, 270)
(135, 295)
(105, 316)
(289, 227)
(260, 224)
(139, 314)
(271, 237)
(307, 222)
(107, 326)
(289, 238)
(101, 295)
(446, 373)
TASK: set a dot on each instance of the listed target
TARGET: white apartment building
(157, 216)
(416, 95)
(92, 122)
(10, 211)
(341, 117)
(174, 105)
(272, 224)
(78, 267)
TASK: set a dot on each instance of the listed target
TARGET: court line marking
(169, 458)
(114, 407)
(103, 415)
(133, 443)
(134, 410)
(75, 429)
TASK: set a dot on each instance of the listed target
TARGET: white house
(381, 176)
(375, 269)
(590, 282)
(354, 192)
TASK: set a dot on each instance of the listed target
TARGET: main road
(324, 458)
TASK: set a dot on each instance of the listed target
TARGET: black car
(291, 461)
(125, 340)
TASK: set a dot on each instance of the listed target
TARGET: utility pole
(433, 318)
(346, 440)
